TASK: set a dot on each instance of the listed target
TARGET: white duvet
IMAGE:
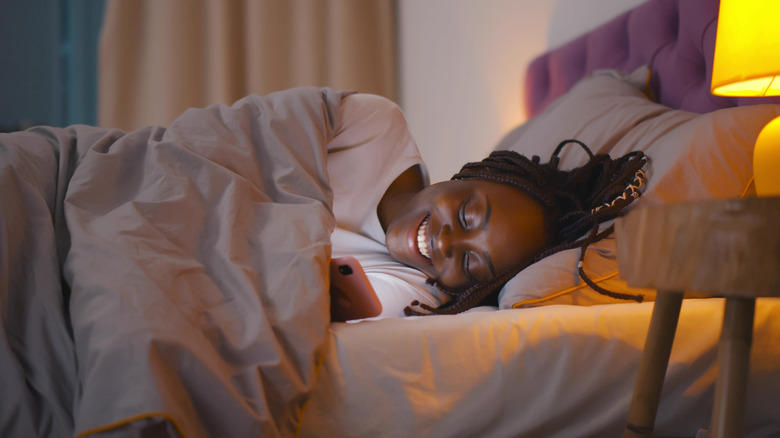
(168, 280)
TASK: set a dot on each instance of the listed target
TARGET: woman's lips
(422, 238)
(418, 241)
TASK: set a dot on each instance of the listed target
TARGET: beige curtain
(160, 57)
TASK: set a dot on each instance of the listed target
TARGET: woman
(468, 236)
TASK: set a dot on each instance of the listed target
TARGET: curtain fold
(159, 57)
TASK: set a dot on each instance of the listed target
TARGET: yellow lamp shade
(747, 63)
(747, 49)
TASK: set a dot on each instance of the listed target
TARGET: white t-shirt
(371, 148)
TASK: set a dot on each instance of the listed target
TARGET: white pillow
(692, 156)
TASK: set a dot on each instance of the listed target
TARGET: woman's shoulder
(376, 124)
(368, 105)
(372, 100)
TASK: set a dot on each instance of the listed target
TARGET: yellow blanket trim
(519, 304)
(130, 420)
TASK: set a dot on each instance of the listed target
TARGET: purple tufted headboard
(675, 37)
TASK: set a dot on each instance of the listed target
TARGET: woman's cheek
(397, 244)
(392, 241)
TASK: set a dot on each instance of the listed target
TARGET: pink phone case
(351, 294)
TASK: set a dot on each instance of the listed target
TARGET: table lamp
(747, 63)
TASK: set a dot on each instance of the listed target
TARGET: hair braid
(465, 299)
(575, 202)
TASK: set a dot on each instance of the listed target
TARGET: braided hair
(575, 202)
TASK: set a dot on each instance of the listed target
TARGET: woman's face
(465, 231)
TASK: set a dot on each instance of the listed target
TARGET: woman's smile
(422, 238)
(417, 242)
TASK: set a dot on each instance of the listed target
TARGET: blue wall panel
(48, 62)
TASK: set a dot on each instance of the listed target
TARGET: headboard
(675, 37)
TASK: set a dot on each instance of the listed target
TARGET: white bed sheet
(556, 371)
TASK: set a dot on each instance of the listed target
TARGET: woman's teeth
(422, 239)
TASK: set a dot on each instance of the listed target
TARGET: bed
(117, 320)
(558, 359)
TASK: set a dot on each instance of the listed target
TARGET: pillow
(692, 156)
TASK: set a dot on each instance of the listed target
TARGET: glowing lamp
(747, 63)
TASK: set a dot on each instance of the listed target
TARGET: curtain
(159, 57)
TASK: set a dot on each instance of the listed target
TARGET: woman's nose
(453, 240)
(444, 241)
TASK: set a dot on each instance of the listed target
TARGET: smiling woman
(472, 234)
(447, 247)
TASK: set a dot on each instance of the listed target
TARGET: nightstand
(719, 248)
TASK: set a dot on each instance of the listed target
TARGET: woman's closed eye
(462, 216)
(468, 261)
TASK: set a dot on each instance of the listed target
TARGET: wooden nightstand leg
(652, 368)
(733, 367)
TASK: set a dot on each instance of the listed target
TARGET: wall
(462, 67)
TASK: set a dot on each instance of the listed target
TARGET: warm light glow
(747, 49)
(766, 158)
(747, 63)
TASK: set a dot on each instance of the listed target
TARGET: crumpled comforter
(168, 280)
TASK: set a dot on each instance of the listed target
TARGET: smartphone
(351, 294)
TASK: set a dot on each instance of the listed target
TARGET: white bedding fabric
(555, 371)
(168, 280)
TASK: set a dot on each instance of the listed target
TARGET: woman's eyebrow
(488, 209)
(486, 255)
